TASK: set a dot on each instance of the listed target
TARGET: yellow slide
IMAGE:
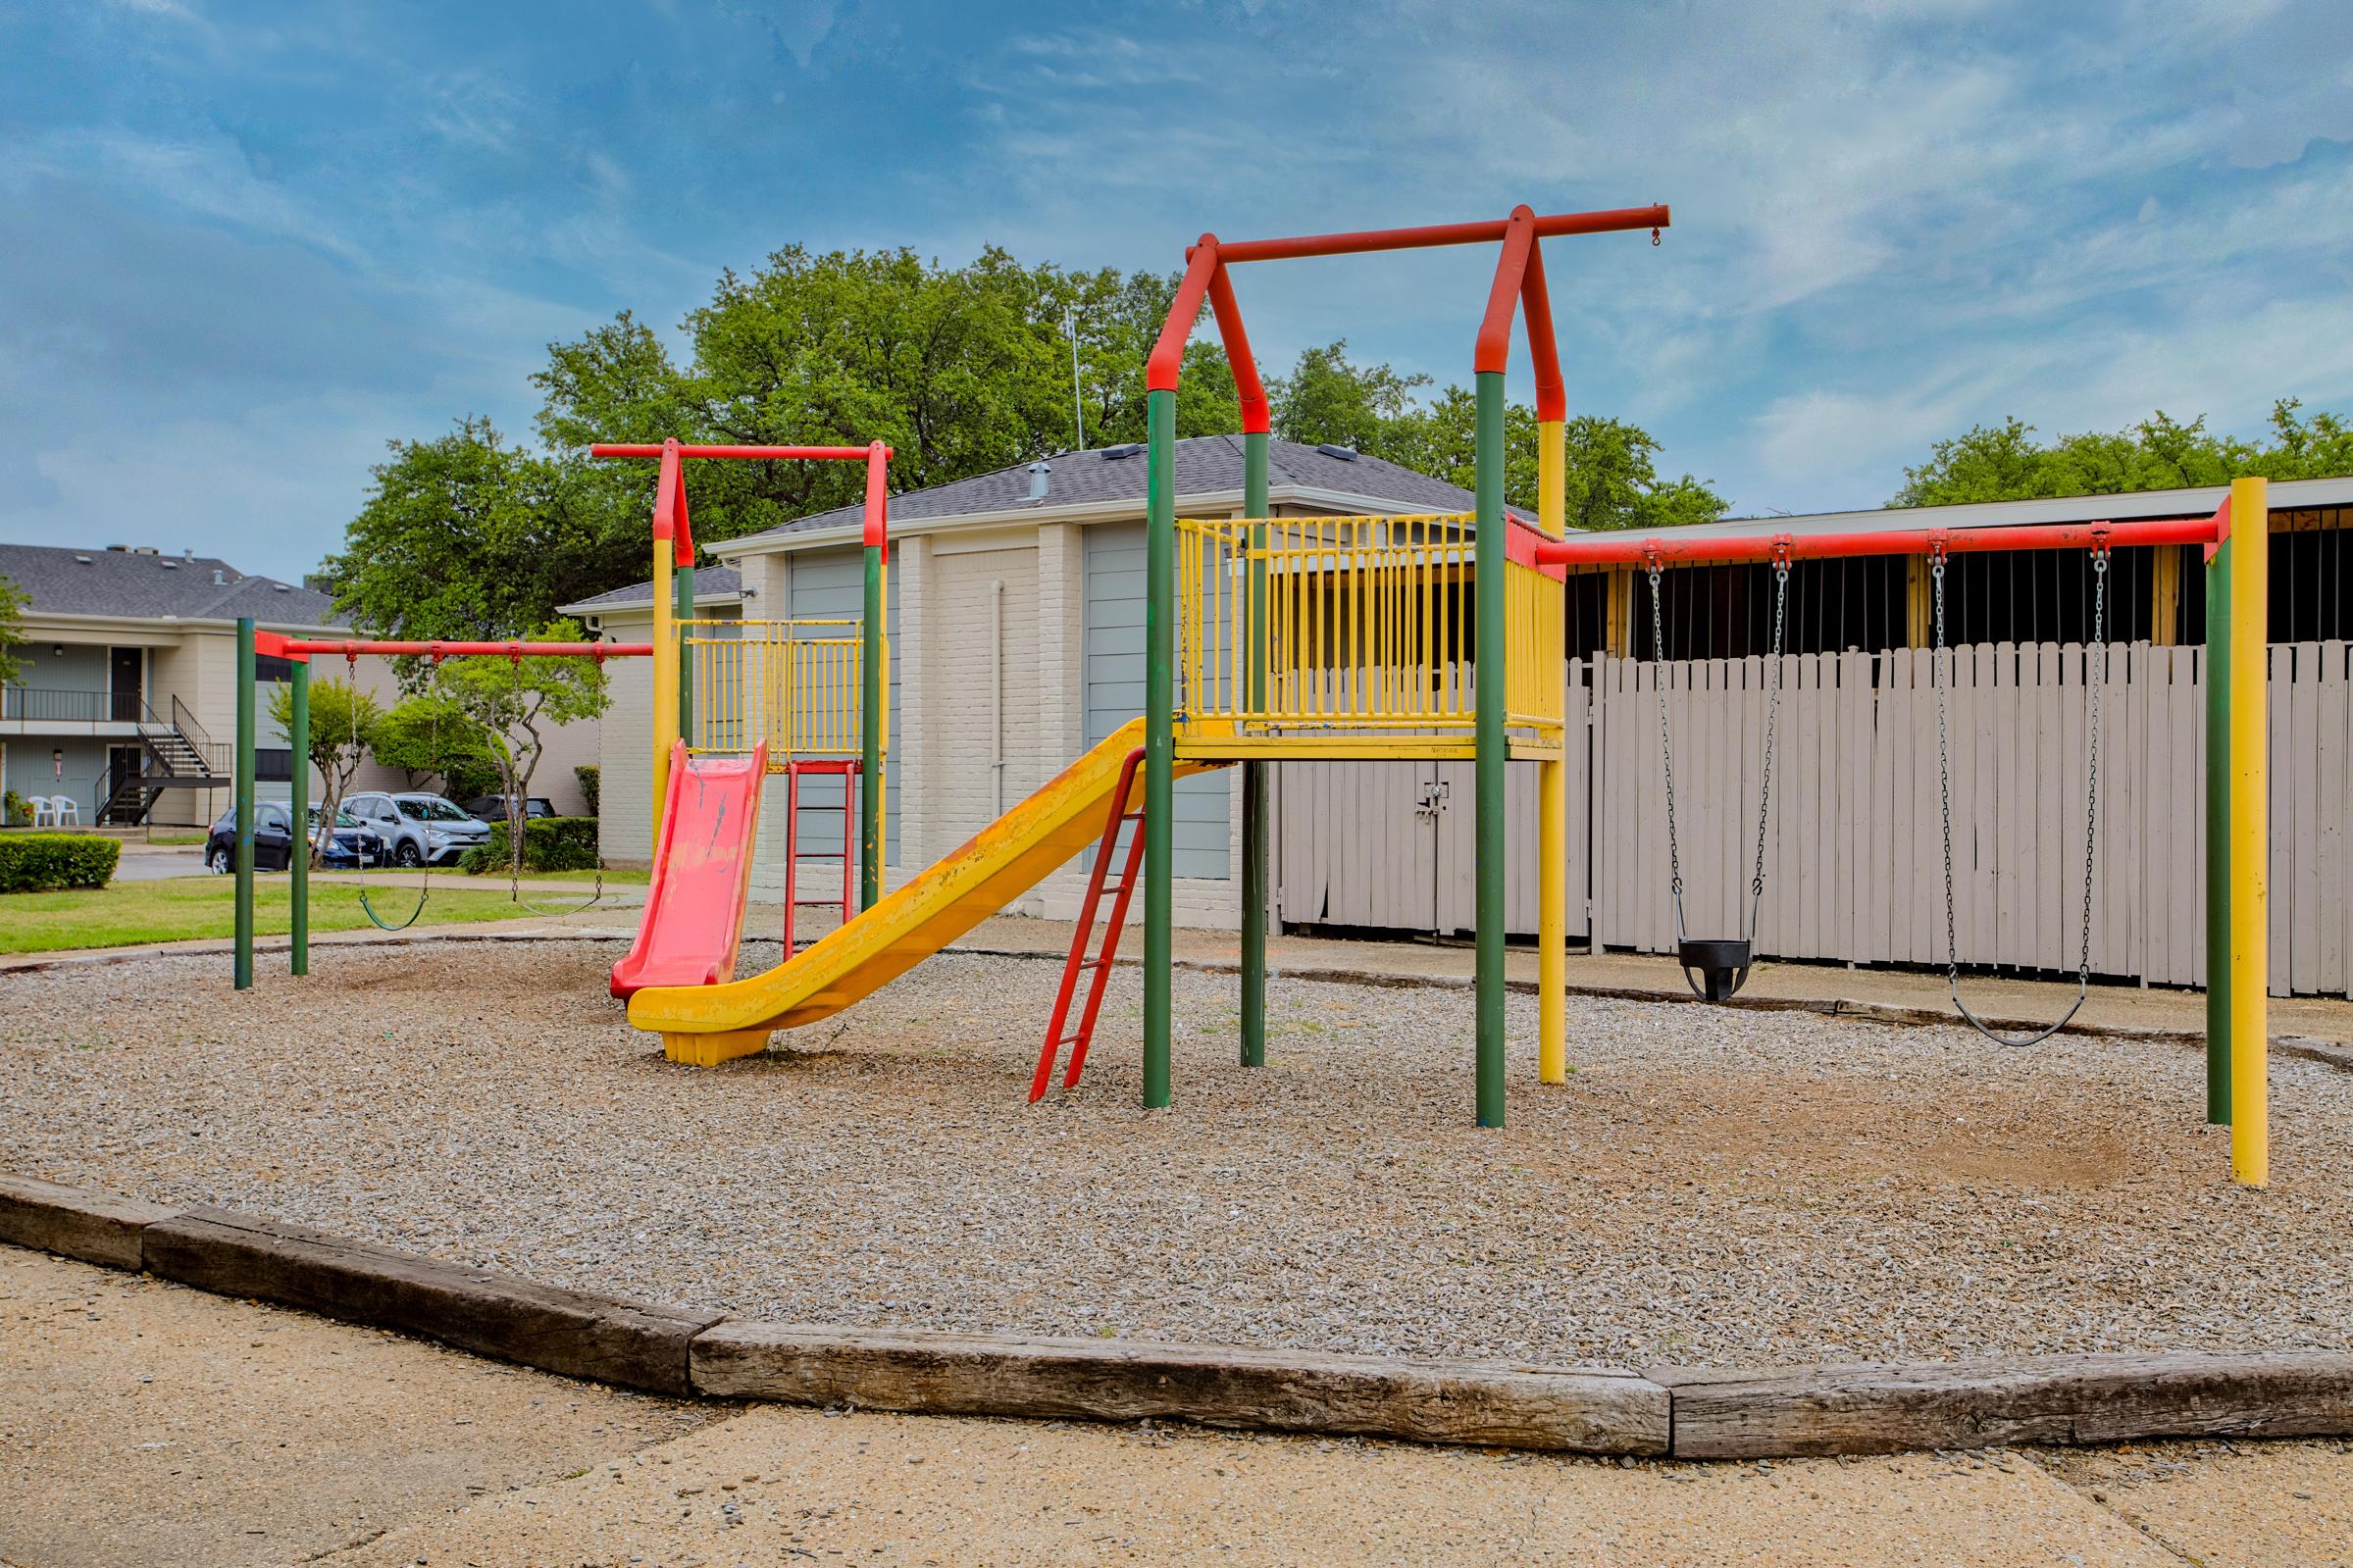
(709, 1023)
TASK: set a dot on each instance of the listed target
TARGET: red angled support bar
(1617, 549)
(1255, 413)
(670, 490)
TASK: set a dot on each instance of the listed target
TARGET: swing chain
(1667, 755)
(2094, 676)
(2097, 648)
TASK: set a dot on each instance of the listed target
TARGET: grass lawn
(175, 908)
(177, 840)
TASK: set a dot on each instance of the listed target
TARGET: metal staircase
(175, 755)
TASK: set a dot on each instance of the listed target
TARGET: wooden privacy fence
(1853, 862)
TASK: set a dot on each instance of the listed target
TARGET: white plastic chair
(44, 811)
(69, 811)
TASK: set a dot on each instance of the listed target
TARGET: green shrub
(592, 779)
(549, 843)
(15, 810)
(40, 862)
(560, 843)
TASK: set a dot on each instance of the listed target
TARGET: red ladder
(848, 772)
(1079, 1039)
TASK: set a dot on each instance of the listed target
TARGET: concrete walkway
(143, 1423)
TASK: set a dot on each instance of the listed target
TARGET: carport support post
(1552, 804)
(2218, 836)
(1488, 690)
(242, 963)
(873, 703)
(298, 858)
(2250, 830)
(1255, 829)
(1159, 739)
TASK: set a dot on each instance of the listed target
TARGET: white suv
(421, 828)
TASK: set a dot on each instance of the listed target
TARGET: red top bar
(1620, 551)
(277, 645)
(844, 454)
(1372, 240)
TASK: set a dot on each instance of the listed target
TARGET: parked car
(353, 843)
(494, 808)
(421, 828)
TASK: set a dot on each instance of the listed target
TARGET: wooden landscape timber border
(1662, 1413)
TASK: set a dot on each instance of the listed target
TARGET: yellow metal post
(665, 682)
(1552, 813)
(2250, 829)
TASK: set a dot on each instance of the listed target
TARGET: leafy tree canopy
(430, 736)
(12, 610)
(1612, 471)
(962, 369)
(2004, 461)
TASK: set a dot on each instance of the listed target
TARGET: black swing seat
(1715, 967)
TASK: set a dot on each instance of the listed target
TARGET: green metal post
(1256, 829)
(298, 860)
(2218, 836)
(1488, 690)
(681, 598)
(242, 964)
(1159, 741)
(870, 763)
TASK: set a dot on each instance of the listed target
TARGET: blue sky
(241, 246)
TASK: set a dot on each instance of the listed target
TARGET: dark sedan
(353, 844)
(494, 808)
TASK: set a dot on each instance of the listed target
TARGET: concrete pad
(144, 1423)
(797, 1485)
(2233, 1505)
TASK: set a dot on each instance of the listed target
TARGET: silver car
(421, 828)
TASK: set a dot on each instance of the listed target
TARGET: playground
(1710, 1185)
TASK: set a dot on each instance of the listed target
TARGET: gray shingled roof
(135, 584)
(720, 580)
(1204, 465)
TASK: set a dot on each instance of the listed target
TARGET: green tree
(12, 626)
(1328, 400)
(1611, 474)
(2004, 461)
(343, 720)
(430, 737)
(468, 537)
(961, 369)
(513, 701)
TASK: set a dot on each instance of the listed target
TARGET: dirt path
(142, 1423)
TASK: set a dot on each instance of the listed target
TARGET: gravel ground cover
(1711, 1186)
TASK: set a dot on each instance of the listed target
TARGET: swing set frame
(2237, 731)
(254, 644)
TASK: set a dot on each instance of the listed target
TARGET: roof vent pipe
(219, 578)
(1041, 478)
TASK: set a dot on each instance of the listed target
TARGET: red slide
(702, 874)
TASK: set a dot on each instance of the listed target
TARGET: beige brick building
(1016, 607)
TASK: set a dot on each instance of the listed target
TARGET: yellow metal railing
(1367, 625)
(795, 683)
